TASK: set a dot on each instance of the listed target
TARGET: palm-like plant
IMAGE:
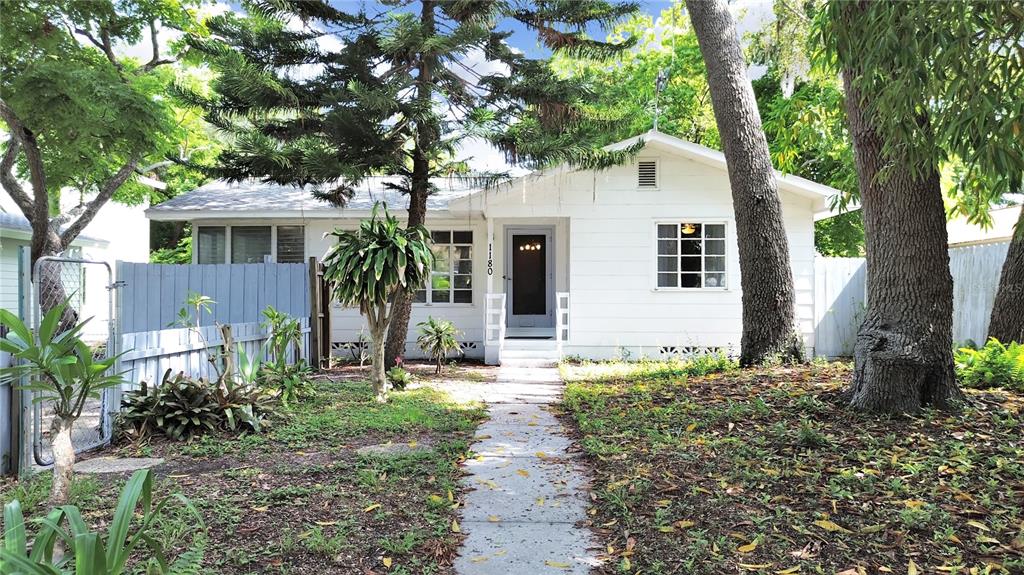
(437, 340)
(369, 267)
(62, 371)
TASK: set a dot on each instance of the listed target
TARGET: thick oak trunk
(765, 273)
(903, 354)
(1007, 322)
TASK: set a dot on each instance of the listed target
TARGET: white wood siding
(9, 273)
(611, 256)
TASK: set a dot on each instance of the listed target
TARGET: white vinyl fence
(149, 354)
(840, 299)
(150, 295)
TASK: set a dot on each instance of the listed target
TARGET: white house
(638, 260)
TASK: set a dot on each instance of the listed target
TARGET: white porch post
(494, 308)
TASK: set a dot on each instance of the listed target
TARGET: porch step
(531, 344)
(530, 354)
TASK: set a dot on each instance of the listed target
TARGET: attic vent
(647, 174)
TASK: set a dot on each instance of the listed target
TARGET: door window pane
(250, 244)
(211, 245)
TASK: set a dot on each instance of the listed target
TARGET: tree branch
(106, 192)
(10, 181)
(155, 41)
(37, 176)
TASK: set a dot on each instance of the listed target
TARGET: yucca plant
(369, 267)
(437, 340)
(62, 371)
(88, 552)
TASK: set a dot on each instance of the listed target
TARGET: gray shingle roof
(256, 196)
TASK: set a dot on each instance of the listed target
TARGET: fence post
(314, 314)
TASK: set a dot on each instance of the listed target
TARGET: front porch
(526, 299)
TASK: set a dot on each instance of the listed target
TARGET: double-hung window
(451, 278)
(691, 255)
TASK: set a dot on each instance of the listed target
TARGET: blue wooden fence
(150, 295)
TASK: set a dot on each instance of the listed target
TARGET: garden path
(528, 495)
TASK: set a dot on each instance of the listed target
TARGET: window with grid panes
(451, 279)
(691, 255)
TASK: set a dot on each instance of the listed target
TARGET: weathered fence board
(839, 286)
(151, 294)
(147, 355)
(975, 271)
(840, 296)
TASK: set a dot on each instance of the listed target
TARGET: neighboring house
(963, 233)
(117, 233)
(646, 252)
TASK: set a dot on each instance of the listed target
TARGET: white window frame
(228, 237)
(702, 221)
(657, 174)
(451, 272)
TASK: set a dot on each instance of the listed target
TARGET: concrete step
(540, 344)
(527, 362)
(530, 353)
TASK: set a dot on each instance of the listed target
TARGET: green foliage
(437, 339)
(92, 553)
(179, 254)
(179, 407)
(944, 85)
(399, 378)
(840, 236)
(368, 266)
(183, 408)
(62, 367)
(288, 379)
(397, 96)
(994, 365)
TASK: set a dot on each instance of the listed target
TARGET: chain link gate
(71, 279)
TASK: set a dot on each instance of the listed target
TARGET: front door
(529, 281)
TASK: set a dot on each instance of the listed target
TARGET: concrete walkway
(527, 492)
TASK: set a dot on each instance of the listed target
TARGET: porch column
(492, 316)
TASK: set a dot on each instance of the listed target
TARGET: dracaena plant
(87, 552)
(369, 267)
(62, 370)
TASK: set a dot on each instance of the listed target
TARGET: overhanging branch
(106, 192)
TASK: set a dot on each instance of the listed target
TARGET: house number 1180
(490, 259)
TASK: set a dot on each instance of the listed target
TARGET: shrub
(182, 408)
(437, 340)
(289, 381)
(92, 553)
(399, 377)
(994, 365)
(179, 407)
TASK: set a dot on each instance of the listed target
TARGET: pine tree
(350, 94)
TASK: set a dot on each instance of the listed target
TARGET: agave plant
(92, 553)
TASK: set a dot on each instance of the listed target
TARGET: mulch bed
(767, 471)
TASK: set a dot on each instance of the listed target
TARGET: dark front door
(530, 282)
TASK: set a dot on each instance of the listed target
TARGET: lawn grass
(300, 498)
(766, 471)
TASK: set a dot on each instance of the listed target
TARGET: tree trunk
(1007, 322)
(379, 376)
(401, 309)
(903, 355)
(426, 139)
(765, 274)
(63, 460)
